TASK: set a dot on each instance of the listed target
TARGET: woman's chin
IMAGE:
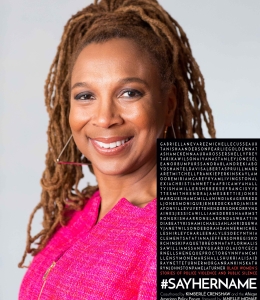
(109, 170)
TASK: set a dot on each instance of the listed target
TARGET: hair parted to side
(150, 26)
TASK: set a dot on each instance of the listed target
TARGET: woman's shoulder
(80, 220)
(85, 217)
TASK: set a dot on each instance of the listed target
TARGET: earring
(165, 132)
(166, 129)
(68, 162)
(173, 131)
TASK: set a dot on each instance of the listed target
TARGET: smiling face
(118, 108)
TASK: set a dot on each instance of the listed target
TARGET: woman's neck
(139, 188)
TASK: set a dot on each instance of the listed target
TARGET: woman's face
(118, 109)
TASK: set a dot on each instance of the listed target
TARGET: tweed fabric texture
(112, 259)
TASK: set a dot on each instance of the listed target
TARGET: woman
(123, 75)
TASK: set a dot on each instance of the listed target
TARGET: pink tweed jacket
(112, 259)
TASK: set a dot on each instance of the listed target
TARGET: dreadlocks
(150, 26)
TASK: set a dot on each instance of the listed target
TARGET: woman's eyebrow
(133, 79)
(124, 80)
(80, 84)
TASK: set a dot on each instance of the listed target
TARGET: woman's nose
(107, 114)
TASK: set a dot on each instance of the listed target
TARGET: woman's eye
(84, 96)
(131, 94)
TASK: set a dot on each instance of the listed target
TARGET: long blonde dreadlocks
(149, 25)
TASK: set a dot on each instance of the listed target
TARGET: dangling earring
(68, 162)
(173, 131)
(165, 132)
(166, 129)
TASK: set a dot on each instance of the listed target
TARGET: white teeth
(105, 145)
(111, 145)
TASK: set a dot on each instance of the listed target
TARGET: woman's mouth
(111, 146)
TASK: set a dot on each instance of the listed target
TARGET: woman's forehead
(114, 57)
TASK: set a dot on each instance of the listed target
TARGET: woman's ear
(171, 104)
